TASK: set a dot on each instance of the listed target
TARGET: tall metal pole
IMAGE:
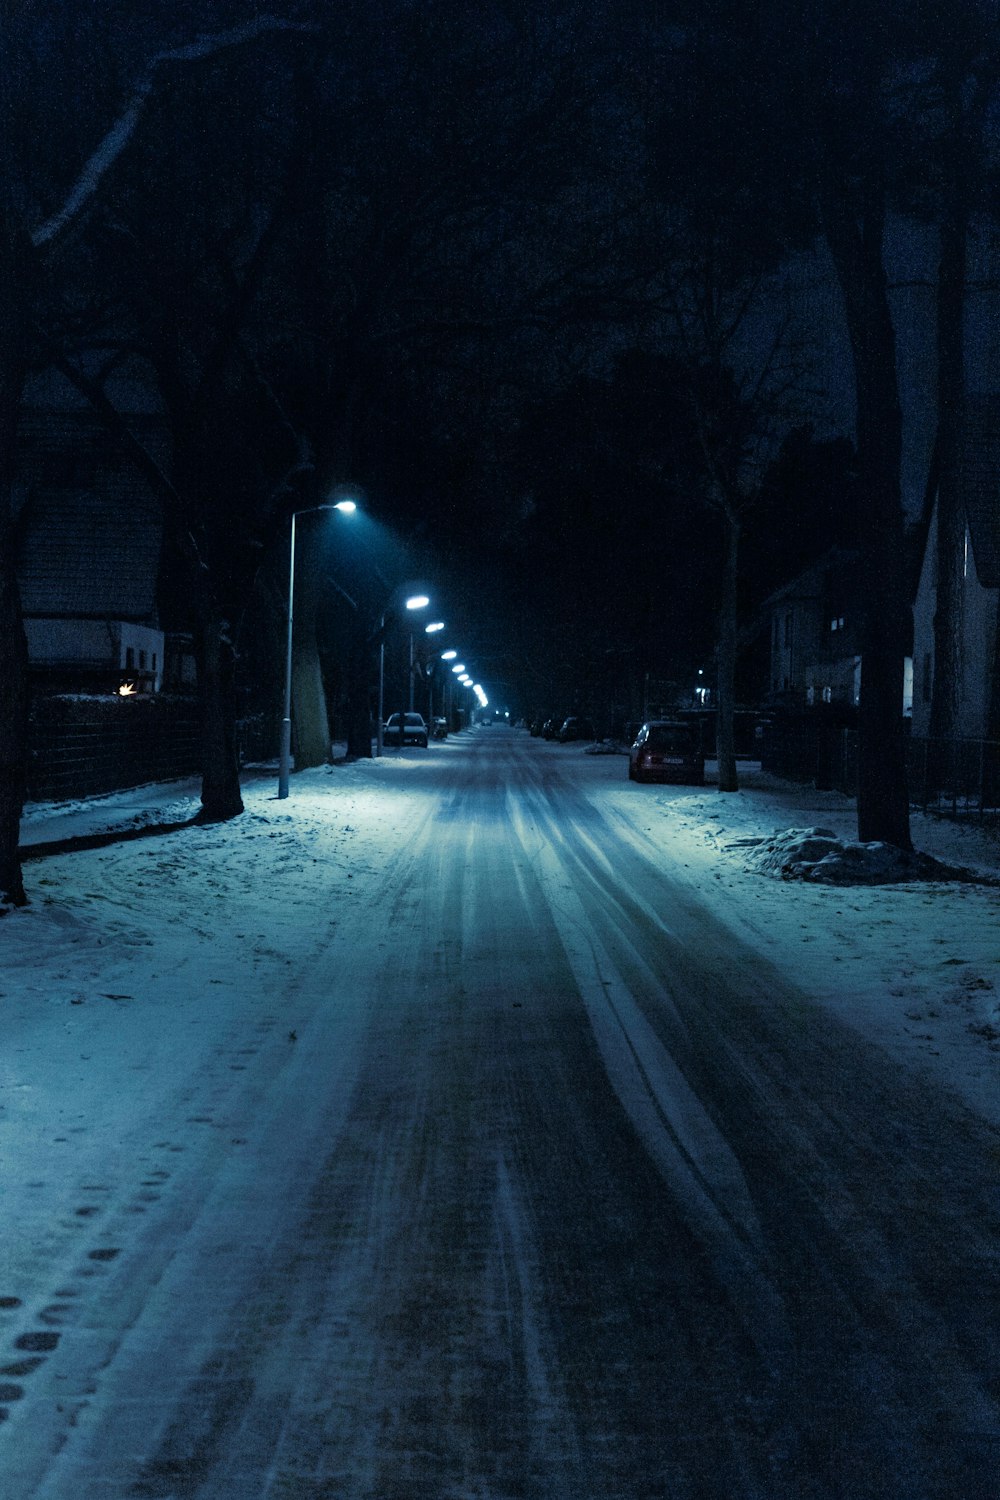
(381, 688)
(285, 752)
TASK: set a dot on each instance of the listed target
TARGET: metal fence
(956, 778)
(81, 746)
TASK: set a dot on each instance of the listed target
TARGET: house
(814, 620)
(980, 471)
(88, 554)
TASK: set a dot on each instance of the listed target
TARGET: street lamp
(346, 508)
(414, 602)
(418, 601)
(431, 629)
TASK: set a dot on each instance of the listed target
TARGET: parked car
(414, 730)
(439, 729)
(550, 729)
(667, 750)
(575, 728)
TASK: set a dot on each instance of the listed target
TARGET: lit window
(828, 695)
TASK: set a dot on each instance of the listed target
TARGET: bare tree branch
(122, 131)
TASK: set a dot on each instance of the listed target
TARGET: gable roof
(837, 568)
(980, 460)
(90, 554)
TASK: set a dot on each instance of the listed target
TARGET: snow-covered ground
(224, 1146)
(913, 965)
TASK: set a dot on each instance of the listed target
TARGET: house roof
(981, 485)
(85, 554)
(837, 567)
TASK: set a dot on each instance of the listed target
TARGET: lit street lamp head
(347, 507)
(417, 601)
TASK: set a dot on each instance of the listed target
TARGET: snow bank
(818, 854)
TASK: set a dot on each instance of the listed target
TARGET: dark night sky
(424, 346)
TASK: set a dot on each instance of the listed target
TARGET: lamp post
(431, 629)
(415, 601)
(347, 508)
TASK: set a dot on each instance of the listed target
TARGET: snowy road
(478, 1162)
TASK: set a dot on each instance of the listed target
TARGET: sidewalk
(157, 804)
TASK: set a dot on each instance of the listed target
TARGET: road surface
(551, 1191)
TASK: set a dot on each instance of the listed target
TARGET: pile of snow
(817, 854)
(606, 747)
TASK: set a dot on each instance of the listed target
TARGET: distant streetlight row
(414, 602)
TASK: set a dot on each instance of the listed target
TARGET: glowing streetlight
(347, 508)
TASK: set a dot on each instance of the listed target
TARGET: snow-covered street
(476, 1125)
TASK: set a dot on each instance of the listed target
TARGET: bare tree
(32, 240)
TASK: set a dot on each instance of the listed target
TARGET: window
(828, 695)
(142, 661)
(129, 658)
(838, 623)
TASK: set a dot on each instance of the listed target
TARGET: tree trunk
(883, 802)
(358, 689)
(220, 786)
(310, 720)
(950, 551)
(15, 264)
(725, 744)
(13, 714)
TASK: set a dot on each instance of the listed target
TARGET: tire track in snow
(692, 1156)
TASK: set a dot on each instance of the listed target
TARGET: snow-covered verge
(914, 965)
